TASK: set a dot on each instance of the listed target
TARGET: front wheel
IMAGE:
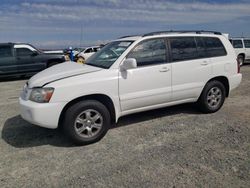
(212, 97)
(86, 122)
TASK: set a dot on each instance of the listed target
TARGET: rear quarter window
(214, 47)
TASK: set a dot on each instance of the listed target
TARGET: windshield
(108, 54)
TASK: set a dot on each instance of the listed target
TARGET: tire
(86, 122)
(241, 59)
(52, 64)
(212, 97)
(80, 60)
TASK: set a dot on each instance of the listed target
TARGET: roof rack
(181, 31)
(128, 36)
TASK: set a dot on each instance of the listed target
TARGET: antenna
(81, 36)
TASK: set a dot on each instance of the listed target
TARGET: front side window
(105, 57)
(237, 44)
(149, 52)
(5, 51)
(247, 43)
(214, 47)
(23, 52)
(183, 48)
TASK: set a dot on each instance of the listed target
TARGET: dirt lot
(171, 147)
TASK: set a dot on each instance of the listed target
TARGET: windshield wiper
(94, 65)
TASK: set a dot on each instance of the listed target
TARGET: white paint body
(134, 90)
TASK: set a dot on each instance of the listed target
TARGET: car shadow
(155, 114)
(21, 134)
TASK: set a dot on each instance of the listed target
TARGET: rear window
(237, 44)
(214, 47)
(247, 43)
(5, 51)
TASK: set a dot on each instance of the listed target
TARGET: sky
(64, 23)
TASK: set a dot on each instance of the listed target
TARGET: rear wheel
(86, 122)
(241, 59)
(212, 97)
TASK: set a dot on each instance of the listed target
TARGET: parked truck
(18, 59)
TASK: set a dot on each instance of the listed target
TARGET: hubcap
(88, 123)
(214, 97)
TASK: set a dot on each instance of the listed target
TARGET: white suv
(242, 49)
(129, 75)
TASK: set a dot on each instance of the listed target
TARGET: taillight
(238, 64)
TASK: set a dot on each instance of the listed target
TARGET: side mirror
(35, 53)
(129, 63)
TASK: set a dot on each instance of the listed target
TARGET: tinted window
(89, 50)
(201, 50)
(214, 47)
(149, 52)
(5, 51)
(237, 44)
(183, 48)
(247, 43)
(23, 52)
(96, 49)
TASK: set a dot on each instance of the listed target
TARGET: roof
(171, 32)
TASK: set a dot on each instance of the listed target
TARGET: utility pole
(81, 36)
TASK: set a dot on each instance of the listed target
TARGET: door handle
(204, 63)
(164, 69)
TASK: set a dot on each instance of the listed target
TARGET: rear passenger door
(191, 69)
(7, 60)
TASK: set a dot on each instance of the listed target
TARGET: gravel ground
(170, 147)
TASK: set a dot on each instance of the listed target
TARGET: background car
(86, 53)
(242, 49)
(24, 59)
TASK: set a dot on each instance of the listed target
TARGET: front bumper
(41, 114)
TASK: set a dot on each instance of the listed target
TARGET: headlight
(41, 95)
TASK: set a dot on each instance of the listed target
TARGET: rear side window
(183, 48)
(201, 50)
(237, 44)
(23, 52)
(247, 43)
(5, 51)
(149, 52)
(214, 47)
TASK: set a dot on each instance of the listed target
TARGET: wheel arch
(224, 80)
(102, 98)
(242, 54)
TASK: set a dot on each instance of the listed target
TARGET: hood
(60, 71)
